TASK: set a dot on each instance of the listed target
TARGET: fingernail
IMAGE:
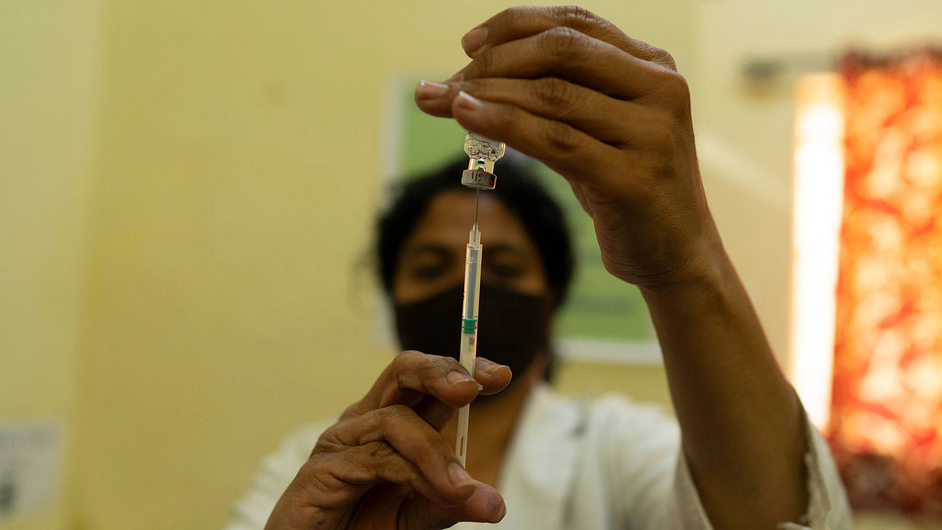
(468, 102)
(458, 476)
(490, 367)
(501, 513)
(430, 90)
(458, 377)
(480, 387)
(473, 40)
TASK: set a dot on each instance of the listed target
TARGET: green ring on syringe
(469, 325)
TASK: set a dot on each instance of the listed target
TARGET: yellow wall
(48, 67)
(236, 159)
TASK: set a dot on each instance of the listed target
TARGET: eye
(506, 270)
(426, 265)
(427, 271)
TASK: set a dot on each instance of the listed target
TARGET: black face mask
(513, 327)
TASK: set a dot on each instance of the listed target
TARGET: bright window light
(818, 195)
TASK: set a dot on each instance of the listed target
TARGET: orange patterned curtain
(886, 415)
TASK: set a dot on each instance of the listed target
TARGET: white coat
(599, 465)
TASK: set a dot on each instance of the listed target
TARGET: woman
(611, 115)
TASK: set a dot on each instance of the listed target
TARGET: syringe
(469, 325)
(483, 153)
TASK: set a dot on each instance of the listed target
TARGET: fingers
(437, 414)
(435, 387)
(484, 506)
(587, 108)
(568, 54)
(334, 480)
(551, 98)
(391, 444)
(570, 152)
(413, 375)
(519, 22)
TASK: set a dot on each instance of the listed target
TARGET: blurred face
(432, 259)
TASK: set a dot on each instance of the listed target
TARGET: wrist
(706, 269)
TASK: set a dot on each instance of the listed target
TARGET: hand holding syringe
(483, 153)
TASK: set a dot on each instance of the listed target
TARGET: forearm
(743, 433)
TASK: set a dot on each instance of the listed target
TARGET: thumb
(484, 506)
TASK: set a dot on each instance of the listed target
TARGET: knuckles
(318, 480)
(405, 356)
(561, 138)
(555, 94)
(657, 55)
(326, 444)
(416, 361)
(401, 363)
(481, 65)
(571, 15)
(563, 43)
(670, 93)
(382, 420)
(512, 16)
(576, 16)
(664, 58)
(676, 91)
(378, 450)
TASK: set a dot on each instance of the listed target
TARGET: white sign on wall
(30, 461)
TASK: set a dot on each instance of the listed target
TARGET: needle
(477, 198)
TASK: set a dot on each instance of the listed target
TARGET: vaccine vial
(482, 153)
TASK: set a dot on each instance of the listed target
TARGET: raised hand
(607, 112)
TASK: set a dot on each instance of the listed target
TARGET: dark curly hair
(516, 189)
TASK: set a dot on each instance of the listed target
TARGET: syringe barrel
(472, 276)
(469, 308)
